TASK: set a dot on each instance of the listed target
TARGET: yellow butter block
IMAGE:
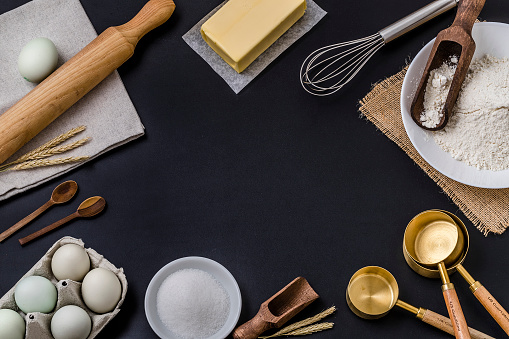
(242, 29)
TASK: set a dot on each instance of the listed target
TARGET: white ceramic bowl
(490, 38)
(221, 274)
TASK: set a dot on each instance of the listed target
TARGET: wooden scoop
(455, 41)
(278, 309)
(77, 77)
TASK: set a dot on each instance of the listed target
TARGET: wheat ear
(44, 162)
(302, 323)
(58, 150)
(32, 155)
(310, 329)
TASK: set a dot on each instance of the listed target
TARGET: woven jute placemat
(488, 209)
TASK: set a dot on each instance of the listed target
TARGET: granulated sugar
(477, 132)
(192, 304)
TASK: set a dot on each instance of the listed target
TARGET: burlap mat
(488, 209)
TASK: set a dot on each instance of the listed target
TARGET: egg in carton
(69, 293)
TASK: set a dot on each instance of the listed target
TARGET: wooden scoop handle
(455, 312)
(493, 307)
(445, 324)
(253, 328)
(77, 77)
(468, 11)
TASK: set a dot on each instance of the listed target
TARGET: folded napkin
(486, 208)
(106, 111)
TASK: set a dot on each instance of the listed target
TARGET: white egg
(70, 262)
(101, 290)
(35, 294)
(71, 322)
(12, 325)
(37, 59)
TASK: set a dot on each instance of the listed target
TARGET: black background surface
(273, 183)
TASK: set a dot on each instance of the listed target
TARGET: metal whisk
(328, 69)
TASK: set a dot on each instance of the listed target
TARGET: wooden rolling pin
(77, 77)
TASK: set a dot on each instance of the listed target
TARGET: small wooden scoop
(453, 41)
(280, 308)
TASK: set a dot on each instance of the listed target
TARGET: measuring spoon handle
(23, 222)
(46, 229)
(445, 324)
(492, 306)
(455, 312)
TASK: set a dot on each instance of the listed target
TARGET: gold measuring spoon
(62, 193)
(496, 310)
(88, 208)
(433, 239)
(373, 291)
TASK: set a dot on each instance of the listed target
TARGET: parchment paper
(107, 110)
(238, 81)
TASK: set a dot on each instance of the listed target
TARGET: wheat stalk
(302, 323)
(33, 155)
(45, 162)
(58, 150)
(310, 329)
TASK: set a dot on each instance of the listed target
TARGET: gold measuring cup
(373, 291)
(496, 310)
(433, 239)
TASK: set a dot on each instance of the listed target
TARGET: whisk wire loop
(317, 71)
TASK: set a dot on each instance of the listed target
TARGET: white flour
(477, 132)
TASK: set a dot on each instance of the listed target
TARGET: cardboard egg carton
(69, 293)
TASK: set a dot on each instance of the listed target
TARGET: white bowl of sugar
(491, 39)
(193, 297)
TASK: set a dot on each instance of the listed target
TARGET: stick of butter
(242, 29)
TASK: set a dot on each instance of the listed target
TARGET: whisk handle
(416, 19)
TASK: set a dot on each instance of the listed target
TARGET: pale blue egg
(12, 325)
(37, 59)
(35, 294)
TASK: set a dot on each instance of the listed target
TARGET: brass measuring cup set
(435, 245)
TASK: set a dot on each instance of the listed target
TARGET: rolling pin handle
(152, 15)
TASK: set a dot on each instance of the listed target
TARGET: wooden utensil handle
(46, 229)
(493, 307)
(76, 77)
(152, 15)
(468, 11)
(23, 222)
(252, 329)
(456, 313)
(445, 324)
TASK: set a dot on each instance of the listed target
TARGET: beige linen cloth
(106, 111)
(486, 208)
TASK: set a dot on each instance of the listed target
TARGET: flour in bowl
(478, 130)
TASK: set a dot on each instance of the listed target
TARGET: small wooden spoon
(62, 193)
(88, 208)
(453, 41)
(278, 309)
